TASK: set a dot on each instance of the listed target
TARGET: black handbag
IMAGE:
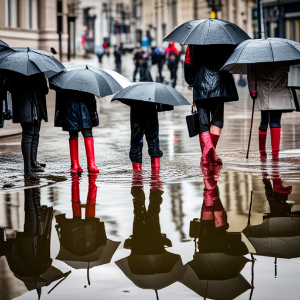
(193, 123)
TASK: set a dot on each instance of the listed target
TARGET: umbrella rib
(242, 51)
(192, 31)
(292, 45)
(71, 77)
(207, 33)
(225, 30)
(97, 83)
(271, 49)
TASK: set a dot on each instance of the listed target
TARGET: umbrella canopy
(152, 271)
(207, 32)
(29, 61)
(86, 79)
(3, 44)
(262, 51)
(151, 92)
(276, 237)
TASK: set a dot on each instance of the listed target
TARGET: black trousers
(144, 122)
(270, 117)
(210, 112)
(85, 133)
(136, 69)
(30, 143)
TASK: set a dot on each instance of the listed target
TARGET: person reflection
(28, 255)
(279, 233)
(83, 242)
(214, 271)
(149, 265)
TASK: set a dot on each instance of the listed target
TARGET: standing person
(29, 108)
(136, 59)
(118, 58)
(273, 98)
(144, 121)
(145, 74)
(172, 55)
(77, 111)
(211, 88)
(158, 57)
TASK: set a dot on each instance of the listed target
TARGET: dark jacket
(28, 97)
(75, 110)
(145, 74)
(202, 71)
(3, 92)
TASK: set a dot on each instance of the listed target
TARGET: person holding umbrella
(146, 99)
(205, 55)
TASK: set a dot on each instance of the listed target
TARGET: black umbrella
(29, 61)
(252, 52)
(86, 79)
(151, 92)
(207, 32)
(3, 44)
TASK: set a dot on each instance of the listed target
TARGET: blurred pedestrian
(158, 58)
(137, 55)
(77, 111)
(211, 88)
(145, 74)
(105, 45)
(273, 98)
(118, 59)
(172, 55)
(29, 109)
(100, 51)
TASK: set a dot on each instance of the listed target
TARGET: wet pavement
(117, 247)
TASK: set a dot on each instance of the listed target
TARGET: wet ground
(226, 261)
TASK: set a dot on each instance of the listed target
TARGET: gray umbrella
(207, 32)
(152, 92)
(86, 79)
(29, 61)
(262, 51)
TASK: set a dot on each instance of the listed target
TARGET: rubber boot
(275, 142)
(91, 197)
(136, 167)
(209, 156)
(156, 183)
(76, 205)
(262, 137)
(155, 164)
(90, 155)
(215, 139)
(75, 167)
(137, 177)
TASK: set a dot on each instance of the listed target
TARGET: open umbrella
(151, 92)
(86, 79)
(256, 51)
(207, 32)
(29, 61)
(3, 44)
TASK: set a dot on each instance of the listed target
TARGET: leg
(275, 129)
(136, 143)
(73, 143)
(35, 167)
(152, 137)
(90, 151)
(27, 137)
(217, 122)
(209, 156)
(262, 133)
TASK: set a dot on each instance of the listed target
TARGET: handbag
(192, 122)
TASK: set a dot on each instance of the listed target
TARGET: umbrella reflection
(83, 242)
(150, 265)
(28, 254)
(219, 258)
(279, 233)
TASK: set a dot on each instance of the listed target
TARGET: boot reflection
(150, 266)
(83, 242)
(219, 258)
(28, 254)
(278, 235)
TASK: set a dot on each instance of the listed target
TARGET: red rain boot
(155, 164)
(209, 156)
(262, 137)
(215, 139)
(136, 167)
(279, 188)
(275, 142)
(76, 205)
(75, 167)
(90, 155)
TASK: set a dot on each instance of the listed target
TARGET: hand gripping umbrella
(207, 32)
(151, 92)
(256, 51)
(87, 79)
(29, 61)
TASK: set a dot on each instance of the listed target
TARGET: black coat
(202, 71)
(28, 97)
(75, 110)
(3, 92)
